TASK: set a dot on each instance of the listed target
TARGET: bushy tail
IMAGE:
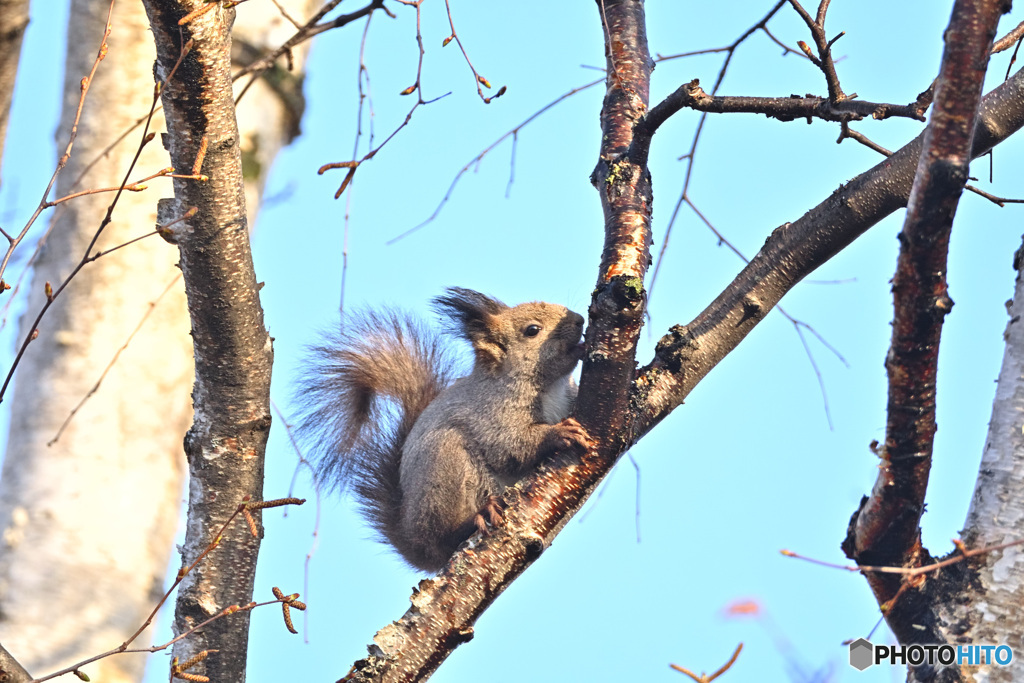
(359, 397)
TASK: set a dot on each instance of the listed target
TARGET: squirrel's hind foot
(490, 513)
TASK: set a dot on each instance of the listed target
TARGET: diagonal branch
(687, 353)
(11, 671)
(445, 608)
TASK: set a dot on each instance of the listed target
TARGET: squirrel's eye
(532, 330)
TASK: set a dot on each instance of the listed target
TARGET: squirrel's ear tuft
(473, 316)
(465, 305)
(470, 313)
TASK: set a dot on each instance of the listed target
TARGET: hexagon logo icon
(862, 654)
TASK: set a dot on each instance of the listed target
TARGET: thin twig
(999, 201)
(479, 157)
(242, 508)
(416, 87)
(301, 463)
(86, 83)
(478, 80)
(110, 365)
(690, 155)
(907, 571)
(824, 59)
(846, 132)
(704, 678)
(86, 256)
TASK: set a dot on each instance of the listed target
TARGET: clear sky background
(693, 520)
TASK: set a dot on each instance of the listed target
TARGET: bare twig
(823, 60)
(242, 509)
(416, 87)
(308, 30)
(690, 156)
(113, 361)
(964, 554)
(846, 132)
(284, 13)
(478, 80)
(475, 161)
(704, 678)
(998, 201)
(303, 463)
(86, 82)
(365, 97)
(798, 325)
(88, 256)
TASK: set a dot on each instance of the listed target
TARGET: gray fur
(425, 469)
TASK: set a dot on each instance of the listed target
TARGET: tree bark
(993, 595)
(13, 22)
(444, 608)
(134, 424)
(886, 528)
(231, 396)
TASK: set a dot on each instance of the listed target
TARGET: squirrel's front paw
(570, 435)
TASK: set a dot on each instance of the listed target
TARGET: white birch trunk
(88, 523)
(996, 514)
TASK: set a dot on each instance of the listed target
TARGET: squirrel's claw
(573, 436)
(490, 513)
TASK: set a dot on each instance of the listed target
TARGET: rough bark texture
(886, 528)
(445, 608)
(623, 183)
(11, 670)
(996, 590)
(88, 523)
(792, 252)
(127, 439)
(226, 444)
(13, 21)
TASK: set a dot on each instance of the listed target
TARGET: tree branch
(885, 530)
(444, 608)
(824, 59)
(794, 250)
(692, 96)
(11, 671)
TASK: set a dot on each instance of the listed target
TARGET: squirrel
(429, 457)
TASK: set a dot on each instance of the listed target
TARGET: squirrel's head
(536, 340)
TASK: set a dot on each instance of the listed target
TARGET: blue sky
(748, 465)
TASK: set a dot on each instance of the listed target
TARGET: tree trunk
(993, 598)
(126, 441)
(89, 521)
(13, 21)
(226, 444)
